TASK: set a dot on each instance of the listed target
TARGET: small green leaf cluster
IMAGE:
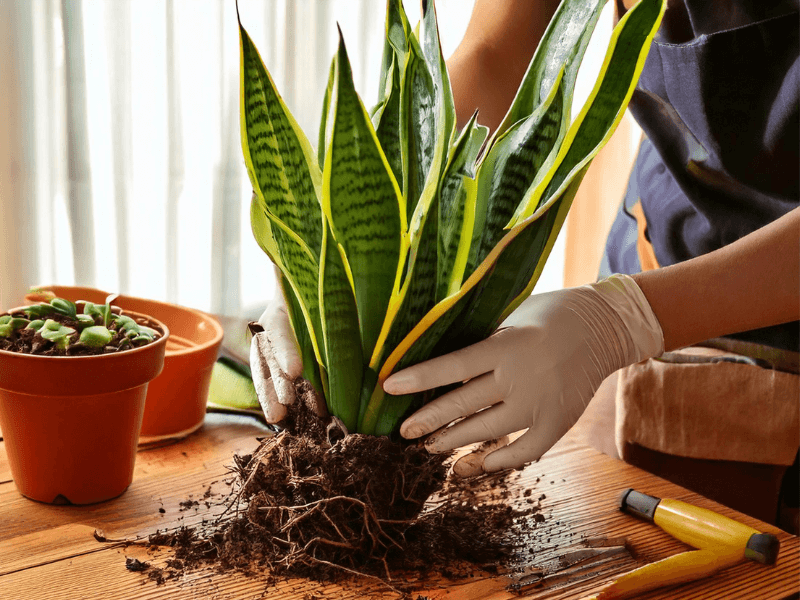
(402, 238)
(95, 327)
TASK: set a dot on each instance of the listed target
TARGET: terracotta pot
(176, 399)
(71, 423)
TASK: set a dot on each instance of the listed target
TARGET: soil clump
(313, 502)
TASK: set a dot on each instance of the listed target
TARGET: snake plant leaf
(457, 196)
(363, 204)
(395, 45)
(342, 339)
(446, 113)
(301, 273)
(306, 344)
(516, 270)
(496, 279)
(323, 123)
(509, 168)
(418, 125)
(280, 161)
(562, 45)
(387, 124)
(418, 294)
(605, 107)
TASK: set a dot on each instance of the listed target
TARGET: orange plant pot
(71, 423)
(176, 399)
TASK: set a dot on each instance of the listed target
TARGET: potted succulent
(73, 380)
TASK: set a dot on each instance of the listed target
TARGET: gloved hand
(275, 361)
(539, 371)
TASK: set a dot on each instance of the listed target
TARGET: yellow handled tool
(721, 542)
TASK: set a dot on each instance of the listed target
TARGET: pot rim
(95, 357)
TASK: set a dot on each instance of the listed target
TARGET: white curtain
(120, 162)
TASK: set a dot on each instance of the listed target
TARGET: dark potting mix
(64, 328)
(312, 502)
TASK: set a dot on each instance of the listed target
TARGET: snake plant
(401, 238)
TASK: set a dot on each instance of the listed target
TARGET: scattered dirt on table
(313, 502)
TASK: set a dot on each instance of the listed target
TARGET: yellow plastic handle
(702, 528)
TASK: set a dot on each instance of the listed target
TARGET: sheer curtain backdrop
(120, 161)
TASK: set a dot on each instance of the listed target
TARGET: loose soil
(312, 502)
(28, 341)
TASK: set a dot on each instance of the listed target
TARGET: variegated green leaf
(387, 127)
(342, 338)
(305, 343)
(509, 169)
(508, 273)
(418, 294)
(418, 126)
(297, 265)
(457, 196)
(322, 139)
(446, 107)
(395, 46)
(363, 203)
(279, 159)
(606, 104)
(517, 268)
(562, 45)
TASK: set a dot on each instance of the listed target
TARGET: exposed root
(326, 504)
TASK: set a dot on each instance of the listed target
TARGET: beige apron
(722, 418)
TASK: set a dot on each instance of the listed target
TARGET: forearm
(487, 67)
(752, 283)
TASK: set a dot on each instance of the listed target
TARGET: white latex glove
(538, 372)
(275, 361)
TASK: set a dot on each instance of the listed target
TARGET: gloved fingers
(275, 321)
(474, 395)
(527, 448)
(461, 365)
(284, 386)
(471, 464)
(267, 396)
(489, 424)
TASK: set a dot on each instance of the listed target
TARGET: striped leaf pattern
(322, 138)
(279, 152)
(418, 127)
(297, 265)
(397, 241)
(613, 90)
(457, 198)
(311, 366)
(395, 46)
(509, 169)
(506, 275)
(342, 337)
(388, 126)
(563, 44)
(363, 203)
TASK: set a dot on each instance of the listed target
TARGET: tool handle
(677, 569)
(702, 528)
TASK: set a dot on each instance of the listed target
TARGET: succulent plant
(95, 328)
(402, 238)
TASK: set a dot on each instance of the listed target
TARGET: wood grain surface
(49, 552)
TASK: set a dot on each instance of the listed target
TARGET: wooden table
(50, 552)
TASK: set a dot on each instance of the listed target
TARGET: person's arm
(489, 63)
(541, 370)
(751, 283)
